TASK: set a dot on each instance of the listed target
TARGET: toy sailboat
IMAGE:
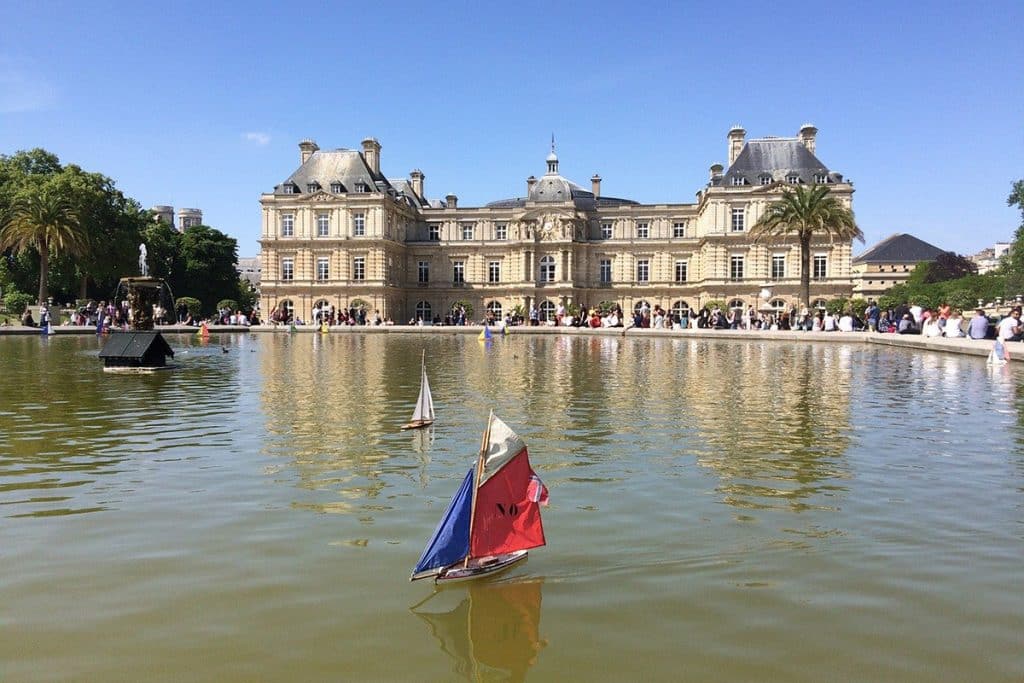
(423, 415)
(494, 517)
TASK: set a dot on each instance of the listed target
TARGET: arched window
(547, 269)
(547, 311)
(494, 308)
(819, 305)
(737, 303)
(778, 305)
(320, 310)
(681, 308)
(423, 311)
(641, 304)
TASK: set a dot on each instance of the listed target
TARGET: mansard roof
(777, 158)
(900, 248)
(345, 166)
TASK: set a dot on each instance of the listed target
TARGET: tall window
(547, 269)
(681, 308)
(359, 268)
(681, 271)
(679, 229)
(643, 231)
(643, 270)
(604, 272)
(547, 311)
(423, 310)
(287, 269)
(820, 271)
(738, 219)
(434, 232)
(322, 267)
(359, 224)
(287, 224)
(736, 268)
(501, 231)
(494, 308)
(323, 225)
(423, 272)
(494, 271)
(467, 231)
(778, 266)
(606, 231)
(458, 272)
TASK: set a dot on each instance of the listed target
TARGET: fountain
(141, 348)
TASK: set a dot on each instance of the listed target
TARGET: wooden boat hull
(480, 567)
(417, 424)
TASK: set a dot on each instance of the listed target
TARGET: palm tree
(801, 212)
(45, 222)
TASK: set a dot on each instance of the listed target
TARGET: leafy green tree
(802, 212)
(210, 258)
(1013, 262)
(42, 222)
(946, 266)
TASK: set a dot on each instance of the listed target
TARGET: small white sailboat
(494, 517)
(423, 415)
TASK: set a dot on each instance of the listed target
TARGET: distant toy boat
(485, 335)
(423, 415)
(999, 355)
(494, 517)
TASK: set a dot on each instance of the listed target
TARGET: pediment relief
(322, 196)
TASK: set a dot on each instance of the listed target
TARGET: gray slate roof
(778, 158)
(900, 248)
(348, 167)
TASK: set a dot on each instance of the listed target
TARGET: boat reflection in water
(493, 633)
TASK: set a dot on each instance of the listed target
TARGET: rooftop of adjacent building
(900, 248)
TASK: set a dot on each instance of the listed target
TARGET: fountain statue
(141, 348)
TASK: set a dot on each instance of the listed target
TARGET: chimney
(452, 201)
(736, 135)
(417, 182)
(716, 171)
(807, 134)
(371, 152)
(306, 149)
(530, 182)
(595, 185)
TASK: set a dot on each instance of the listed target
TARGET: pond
(720, 510)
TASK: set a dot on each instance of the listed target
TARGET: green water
(720, 511)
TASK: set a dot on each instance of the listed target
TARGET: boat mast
(476, 483)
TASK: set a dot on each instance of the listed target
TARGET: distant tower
(164, 213)
(417, 182)
(189, 217)
(552, 158)
(371, 152)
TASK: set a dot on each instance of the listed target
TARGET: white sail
(425, 403)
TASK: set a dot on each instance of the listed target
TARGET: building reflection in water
(493, 634)
(770, 419)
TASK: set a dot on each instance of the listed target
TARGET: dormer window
(288, 188)
(361, 187)
(739, 180)
(792, 179)
(337, 188)
(312, 187)
(820, 179)
(766, 180)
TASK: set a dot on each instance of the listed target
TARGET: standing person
(978, 327)
(1009, 328)
(559, 314)
(534, 316)
(871, 314)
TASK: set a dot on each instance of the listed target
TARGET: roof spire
(552, 158)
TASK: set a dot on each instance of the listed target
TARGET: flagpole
(476, 483)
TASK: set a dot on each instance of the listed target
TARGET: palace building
(338, 232)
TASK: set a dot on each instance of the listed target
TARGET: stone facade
(337, 231)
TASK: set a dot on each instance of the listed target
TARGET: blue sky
(203, 104)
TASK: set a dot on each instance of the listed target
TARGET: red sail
(508, 510)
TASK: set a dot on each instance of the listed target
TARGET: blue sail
(450, 542)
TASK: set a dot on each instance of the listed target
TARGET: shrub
(16, 302)
(229, 304)
(194, 306)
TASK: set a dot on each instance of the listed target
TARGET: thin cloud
(261, 139)
(23, 90)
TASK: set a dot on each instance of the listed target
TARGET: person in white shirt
(954, 325)
(829, 324)
(1009, 328)
(846, 323)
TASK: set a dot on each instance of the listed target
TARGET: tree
(946, 266)
(43, 222)
(1013, 262)
(801, 212)
(210, 274)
